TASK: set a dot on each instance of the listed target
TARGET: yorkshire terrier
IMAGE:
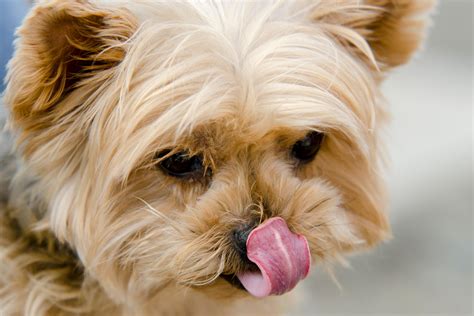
(193, 158)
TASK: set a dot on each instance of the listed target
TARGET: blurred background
(426, 269)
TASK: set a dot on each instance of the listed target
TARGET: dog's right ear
(393, 29)
(61, 43)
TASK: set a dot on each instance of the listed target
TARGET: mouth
(233, 280)
(278, 259)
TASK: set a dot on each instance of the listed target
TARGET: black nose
(239, 240)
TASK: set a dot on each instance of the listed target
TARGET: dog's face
(165, 134)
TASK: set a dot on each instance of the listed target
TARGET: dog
(193, 158)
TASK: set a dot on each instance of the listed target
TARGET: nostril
(239, 240)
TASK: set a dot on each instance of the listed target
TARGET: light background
(427, 268)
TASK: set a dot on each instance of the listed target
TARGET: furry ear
(61, 43)
(393, 29)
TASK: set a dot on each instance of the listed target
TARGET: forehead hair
(255, 68)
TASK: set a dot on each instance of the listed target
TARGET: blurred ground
(427, 267)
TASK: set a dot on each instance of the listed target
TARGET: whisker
(150, 209)
(316, 205)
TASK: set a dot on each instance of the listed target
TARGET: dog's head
(166, 134)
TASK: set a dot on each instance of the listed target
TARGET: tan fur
(97, 88)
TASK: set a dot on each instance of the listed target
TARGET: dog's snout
(239, 240)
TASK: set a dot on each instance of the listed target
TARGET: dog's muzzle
(275, 258)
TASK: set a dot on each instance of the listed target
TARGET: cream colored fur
(97, 88)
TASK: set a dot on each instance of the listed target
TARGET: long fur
(97, 88)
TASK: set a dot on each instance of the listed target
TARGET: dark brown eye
(306, 149)
(182, 165)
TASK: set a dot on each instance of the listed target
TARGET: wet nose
(239, 240)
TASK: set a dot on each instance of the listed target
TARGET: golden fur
(97, 88)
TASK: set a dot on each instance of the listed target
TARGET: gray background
(427, 268)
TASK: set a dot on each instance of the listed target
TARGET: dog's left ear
(393, 29)
(60, 44)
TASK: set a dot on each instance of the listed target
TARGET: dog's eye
(182, 165)
(306, 149)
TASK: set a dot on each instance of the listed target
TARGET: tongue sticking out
(282, 257)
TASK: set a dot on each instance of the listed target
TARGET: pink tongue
(282, 257)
